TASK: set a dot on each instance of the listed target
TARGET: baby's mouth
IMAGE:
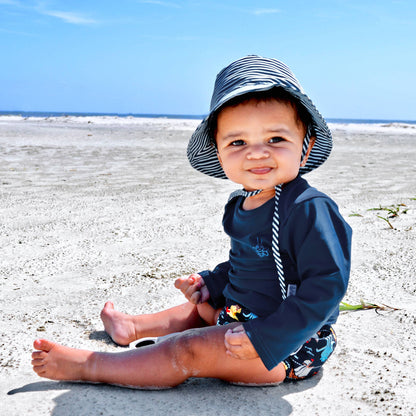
(260, 170)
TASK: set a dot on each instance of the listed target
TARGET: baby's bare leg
(124, 328)
(194, 353)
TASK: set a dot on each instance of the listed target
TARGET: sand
(104, 208)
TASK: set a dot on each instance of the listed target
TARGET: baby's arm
(238, 344)
(194, 288)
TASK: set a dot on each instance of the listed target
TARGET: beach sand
(102, 208)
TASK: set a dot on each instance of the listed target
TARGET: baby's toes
(38, 355)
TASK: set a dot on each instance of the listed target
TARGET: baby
(266, 314)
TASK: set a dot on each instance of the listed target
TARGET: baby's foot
(118, 325)
(57, 362)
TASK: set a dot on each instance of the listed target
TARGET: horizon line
(26, 113)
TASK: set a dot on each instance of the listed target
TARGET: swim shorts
(307, 360)
(311, 356)
(234, 313)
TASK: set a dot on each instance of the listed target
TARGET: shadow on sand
(194, 397)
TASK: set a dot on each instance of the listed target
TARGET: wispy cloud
(41, 8)
(259, 12)
(69, 17)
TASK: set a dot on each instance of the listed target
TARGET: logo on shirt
(260, 249)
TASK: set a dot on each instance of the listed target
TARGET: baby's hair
(276, 93)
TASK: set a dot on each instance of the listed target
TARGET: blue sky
(355, 58)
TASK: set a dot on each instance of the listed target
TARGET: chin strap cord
(275, 241)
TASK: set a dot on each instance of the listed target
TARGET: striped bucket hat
(252, 74)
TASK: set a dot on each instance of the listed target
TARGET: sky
(354, 58)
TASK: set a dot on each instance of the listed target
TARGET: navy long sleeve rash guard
(315, 246)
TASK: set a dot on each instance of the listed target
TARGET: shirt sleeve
(216, 281)
(319, 242)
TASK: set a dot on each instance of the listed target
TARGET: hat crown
(253, 73)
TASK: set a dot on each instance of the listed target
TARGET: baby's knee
(187, 351)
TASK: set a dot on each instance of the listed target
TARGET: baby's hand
(238, 344)
(193, 287)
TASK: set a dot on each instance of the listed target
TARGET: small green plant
(365, 305)
(355, 214)
(393, 211)
(387, 221)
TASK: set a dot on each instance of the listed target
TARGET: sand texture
(96, 209)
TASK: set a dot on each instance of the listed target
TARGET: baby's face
(260, 143)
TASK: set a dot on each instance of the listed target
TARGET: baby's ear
(305, 159)
(219, 159)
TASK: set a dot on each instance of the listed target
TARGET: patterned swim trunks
(307, 360)
(311, 356)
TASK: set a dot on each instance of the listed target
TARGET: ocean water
(45, 114)
(368, 121)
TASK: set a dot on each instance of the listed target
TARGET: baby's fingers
(232, 349)
(190, 286)
(234, 353)
(181, 282)
(195, 297)
(236, 335)
(184, 283)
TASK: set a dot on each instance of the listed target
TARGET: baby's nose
(258, 152)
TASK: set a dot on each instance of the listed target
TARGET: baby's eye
(276, 140)
(237, 142)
